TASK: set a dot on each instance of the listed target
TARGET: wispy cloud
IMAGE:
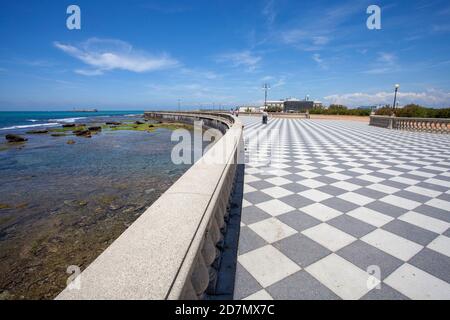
(385, 62)
(320, 62)
(432, 97)
(245, 59)
(269, 12)
(107, 55)
(166, 8)
(440, 28)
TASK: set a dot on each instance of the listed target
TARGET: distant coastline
(85, 110)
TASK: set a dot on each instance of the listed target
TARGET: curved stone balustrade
(414, 124)
(171, 251)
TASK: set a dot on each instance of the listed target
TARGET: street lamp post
(266, 87)
(395, 96)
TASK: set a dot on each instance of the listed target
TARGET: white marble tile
(393, 244)
(275, 207)
(425, 222)
(272, 230)
(342, 277)
(321, 212)
(417, 284)
(329, 237)
(268, 265)
(369, 216)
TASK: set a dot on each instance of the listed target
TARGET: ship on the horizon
(85, 110)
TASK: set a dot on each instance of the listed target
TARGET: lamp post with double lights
(266, 88)
(397, 86)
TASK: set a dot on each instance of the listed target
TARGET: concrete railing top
(155, 256)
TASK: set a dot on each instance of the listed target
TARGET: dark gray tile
(433, 212)
(395, 184)
(295, 187)
(301, 286)
(322, 172)
(297, 201)
(292, 177)
(432, 186)
(359, 182)
(257, 197)
(444, 196)
(298, 220)
(364, 255)
(253, 214)
(352, 226)
(335, 191)
(326, 180)
(339, 205)
(385, 293)
(260, 185)
(350, 173)
(410, 232)
(386, 208)
(249, 240)
(292, 169)
(413, 176)
(432, 262)
(412, 196)
(378, 174)
(245, 284)
(447, 233)
(370, 193)
(301, 249)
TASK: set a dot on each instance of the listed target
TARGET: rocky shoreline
(65, 200)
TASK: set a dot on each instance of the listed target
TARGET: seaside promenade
(331, 207)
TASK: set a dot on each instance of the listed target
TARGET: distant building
(318, 104)
(249, 109)
(295, 105)
(276, 104)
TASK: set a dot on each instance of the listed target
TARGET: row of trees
(410, 110)
(414, 111)
(337, 109)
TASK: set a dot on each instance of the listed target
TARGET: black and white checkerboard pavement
(330, 207)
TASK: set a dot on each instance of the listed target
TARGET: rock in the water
(69, 125)
(113, 123)
(114, 207)
(82, 133)
(71, 142)
(139, 122)
(58, 135)
(37, 132)
(95, 128)
(15, 138)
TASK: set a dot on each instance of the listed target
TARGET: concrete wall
(169, 252)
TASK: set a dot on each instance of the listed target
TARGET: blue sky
(139, 54)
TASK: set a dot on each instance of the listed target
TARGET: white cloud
(320, 40)
(385, 63)
(318, 59)
(386, 57)
(269, 11)
(432, 97)
(107, 55)
(243, 58)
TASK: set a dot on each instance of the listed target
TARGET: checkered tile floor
(330, 207)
